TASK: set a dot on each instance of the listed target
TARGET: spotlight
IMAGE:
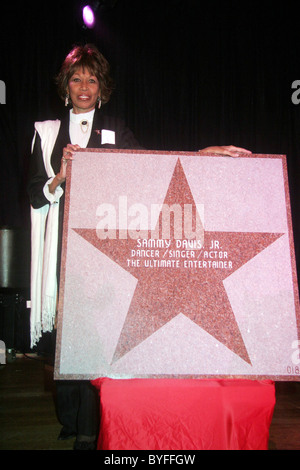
(88, 16)
(89, 11)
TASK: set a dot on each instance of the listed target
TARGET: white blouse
(80, 127)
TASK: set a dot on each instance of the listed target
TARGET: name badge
(107, 137)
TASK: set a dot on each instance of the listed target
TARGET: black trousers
(77, 403)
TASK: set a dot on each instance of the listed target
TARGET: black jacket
(124, 139)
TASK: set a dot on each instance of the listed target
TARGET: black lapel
(95, 137)
(63, 138)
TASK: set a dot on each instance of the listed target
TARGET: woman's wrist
(57, 181)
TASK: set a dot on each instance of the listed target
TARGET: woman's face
(84, 90)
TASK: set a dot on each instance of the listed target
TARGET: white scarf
(44, 238)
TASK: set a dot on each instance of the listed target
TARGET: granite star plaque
(177, 265)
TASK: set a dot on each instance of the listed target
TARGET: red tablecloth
(184, 414)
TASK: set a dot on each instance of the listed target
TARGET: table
(185, 414)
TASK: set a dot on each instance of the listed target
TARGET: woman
(84, 83)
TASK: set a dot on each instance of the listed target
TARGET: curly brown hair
(88, 57)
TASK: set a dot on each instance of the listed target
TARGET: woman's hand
(60, 178)
(68, 153)
(229, 150)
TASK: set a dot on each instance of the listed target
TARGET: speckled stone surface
(177, 265)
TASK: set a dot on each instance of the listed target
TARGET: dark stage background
(188, 74)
